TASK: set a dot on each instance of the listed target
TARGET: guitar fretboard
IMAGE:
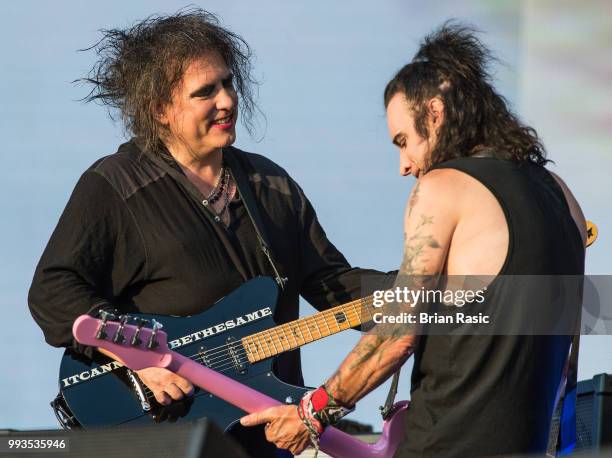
(296, 333)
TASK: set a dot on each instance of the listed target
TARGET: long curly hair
(139, 67)
(451, 64)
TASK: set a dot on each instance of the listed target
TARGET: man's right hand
(165, 385)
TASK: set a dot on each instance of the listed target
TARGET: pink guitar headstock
(135, 345)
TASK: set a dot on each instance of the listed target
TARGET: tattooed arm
(429, 223)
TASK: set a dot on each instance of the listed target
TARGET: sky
(322, 67)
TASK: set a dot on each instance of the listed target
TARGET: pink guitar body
(333, 441)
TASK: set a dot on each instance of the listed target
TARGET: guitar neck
(296, 333)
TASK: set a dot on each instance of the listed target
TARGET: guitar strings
(218, 352)
(222, 363)
(213, 354)
(222, 350)
(288, 326)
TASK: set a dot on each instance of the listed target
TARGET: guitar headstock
(129, 338)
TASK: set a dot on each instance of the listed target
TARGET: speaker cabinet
(594, 412)
(187, 440)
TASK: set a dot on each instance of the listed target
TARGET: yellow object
(592, 232)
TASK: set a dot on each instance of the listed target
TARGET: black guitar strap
(246, 193)
(386, 409)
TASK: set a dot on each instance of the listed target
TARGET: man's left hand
(284, 428)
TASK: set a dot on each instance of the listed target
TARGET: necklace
(213, 196)
(227, 194)
(220, 187)
(221, 193)
(222, 196)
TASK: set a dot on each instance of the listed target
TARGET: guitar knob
(288, 400)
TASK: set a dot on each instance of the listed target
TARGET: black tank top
(483, 395)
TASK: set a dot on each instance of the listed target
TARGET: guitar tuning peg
(135, 338)
(118, 338)
(106, 315)
(101, 333)
(156, 327)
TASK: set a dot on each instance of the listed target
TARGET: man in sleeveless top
(483, 205)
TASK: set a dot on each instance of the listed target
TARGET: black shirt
(135, 233)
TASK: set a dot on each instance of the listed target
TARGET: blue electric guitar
(237, 337)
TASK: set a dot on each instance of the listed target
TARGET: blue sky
(322, 67)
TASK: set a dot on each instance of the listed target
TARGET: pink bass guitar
(138, 347)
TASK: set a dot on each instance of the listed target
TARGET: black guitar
(237, 336)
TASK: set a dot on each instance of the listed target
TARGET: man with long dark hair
(483, 205)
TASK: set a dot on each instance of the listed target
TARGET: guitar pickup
(228, 356)
(237, 355)
(203, 357)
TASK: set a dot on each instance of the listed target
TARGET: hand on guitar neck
(166, 386)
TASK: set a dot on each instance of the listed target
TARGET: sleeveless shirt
(483, 395)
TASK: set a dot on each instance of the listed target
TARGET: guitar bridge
(139, 389)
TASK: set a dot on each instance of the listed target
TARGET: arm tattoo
(352, 377)
(335, 384)
(413, 199)
(364, 351)
(414, 246)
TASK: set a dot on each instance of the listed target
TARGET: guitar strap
(246, 193)
(386, 410)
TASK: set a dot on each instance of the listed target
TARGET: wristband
(315, 427)
(322, 407)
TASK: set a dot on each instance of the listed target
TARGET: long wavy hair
(139, 67)
(451, 64)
